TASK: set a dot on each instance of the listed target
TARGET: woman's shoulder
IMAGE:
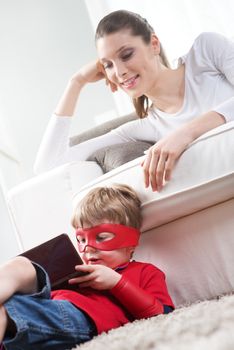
(205, 50)
(210, 43)
(206, 37)
(208, 40)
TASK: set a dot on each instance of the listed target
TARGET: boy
(114, 291)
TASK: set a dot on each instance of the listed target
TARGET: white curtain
(176, 22)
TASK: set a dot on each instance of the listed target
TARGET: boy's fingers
(85, 268)
(82, 279)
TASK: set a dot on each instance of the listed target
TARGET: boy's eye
(101, 238)
(104, 237)
(80, 239)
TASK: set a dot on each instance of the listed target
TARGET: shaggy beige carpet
(207, 325)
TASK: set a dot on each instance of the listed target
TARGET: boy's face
(92, 255)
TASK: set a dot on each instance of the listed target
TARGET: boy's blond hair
(117, 204)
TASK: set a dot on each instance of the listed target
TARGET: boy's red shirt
(105, 307)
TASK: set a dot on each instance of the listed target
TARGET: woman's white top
(209, 85)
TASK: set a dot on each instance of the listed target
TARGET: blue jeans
(42, 323)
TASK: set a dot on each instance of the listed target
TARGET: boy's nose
(89, 248)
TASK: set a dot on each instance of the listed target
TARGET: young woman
(185, 102)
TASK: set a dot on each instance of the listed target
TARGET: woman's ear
(155, 44)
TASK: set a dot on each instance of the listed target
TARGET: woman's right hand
(89, 73)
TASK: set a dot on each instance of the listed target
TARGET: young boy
(114, 291)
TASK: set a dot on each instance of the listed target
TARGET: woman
(184, 103)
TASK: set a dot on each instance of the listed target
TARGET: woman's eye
(126, 56)
(107, 65)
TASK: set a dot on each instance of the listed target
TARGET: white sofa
(188, 228)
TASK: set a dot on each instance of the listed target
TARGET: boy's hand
(98, 277)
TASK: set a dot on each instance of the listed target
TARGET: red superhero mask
(124, 236)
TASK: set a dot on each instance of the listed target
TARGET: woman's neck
(168, 93)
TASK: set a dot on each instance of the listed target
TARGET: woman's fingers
(159, 174)
(145, 165)
(157, 167)
(152, 169)
(161, 158)
(101, 69)
(170, 163)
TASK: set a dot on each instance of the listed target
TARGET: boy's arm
(136, 300)
(146, 300)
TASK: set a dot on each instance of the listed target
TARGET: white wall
(9, 243)
(43, 42)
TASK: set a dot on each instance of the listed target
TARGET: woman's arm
(161, 157)
(87, 74)
(217, 55)
(54, 149)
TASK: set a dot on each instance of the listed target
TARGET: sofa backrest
(102, 129)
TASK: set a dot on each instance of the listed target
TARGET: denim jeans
(42, 323)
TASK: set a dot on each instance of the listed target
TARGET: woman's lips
(130, 83)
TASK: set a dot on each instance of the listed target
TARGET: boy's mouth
(93, 260)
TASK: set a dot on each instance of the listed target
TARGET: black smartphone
(58, 257)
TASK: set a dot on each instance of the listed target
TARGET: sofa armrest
(41, 207)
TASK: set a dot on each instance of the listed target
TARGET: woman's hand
(98, 277)
(113, 86)
(89, 73)
(161, 158)
(92, 72)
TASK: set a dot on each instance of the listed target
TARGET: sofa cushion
(203, 176)
(113, 156)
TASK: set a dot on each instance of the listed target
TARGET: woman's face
(129, 62)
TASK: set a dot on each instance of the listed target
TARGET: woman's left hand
(161, 158)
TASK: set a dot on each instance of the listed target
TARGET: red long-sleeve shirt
(140, 293)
